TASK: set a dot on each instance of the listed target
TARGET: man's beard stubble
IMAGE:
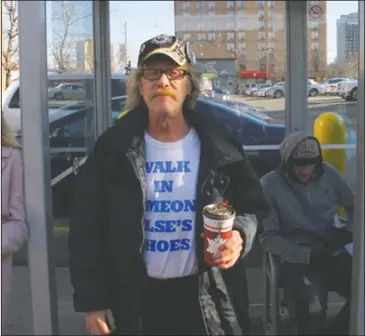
(164, 118)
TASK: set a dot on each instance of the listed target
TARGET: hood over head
(301, 148)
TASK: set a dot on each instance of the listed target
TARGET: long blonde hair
(134, 98)
(7, 136)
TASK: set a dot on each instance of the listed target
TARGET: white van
(63, 90)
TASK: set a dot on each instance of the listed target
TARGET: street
(316, 106)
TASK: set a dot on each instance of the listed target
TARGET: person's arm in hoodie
(345, 194)
(271, 239)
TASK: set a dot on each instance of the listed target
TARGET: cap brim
(166, 52)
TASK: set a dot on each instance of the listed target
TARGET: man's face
(164, 96)
(303, 172)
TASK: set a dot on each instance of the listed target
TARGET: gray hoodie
(289, 232)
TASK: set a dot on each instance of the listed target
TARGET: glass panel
(332, 79)
(71, 100)
(332, 92)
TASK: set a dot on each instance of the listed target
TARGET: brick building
(254, 31)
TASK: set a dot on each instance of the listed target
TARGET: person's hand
(229, 252)
(100, 322)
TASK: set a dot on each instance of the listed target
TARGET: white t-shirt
(169, 223)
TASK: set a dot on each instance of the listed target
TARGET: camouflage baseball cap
(169, 46)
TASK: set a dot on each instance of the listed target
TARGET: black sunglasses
(172, 74)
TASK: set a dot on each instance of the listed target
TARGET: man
(136, 247)
(304, 194)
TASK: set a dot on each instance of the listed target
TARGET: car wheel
(354, 94)
(58, 96)
(313, 93)
(278, 94)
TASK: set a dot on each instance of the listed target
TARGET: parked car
(348, 90)
(315, 89)
(262, 92)
(331, 85)
(277, 91)
(71, 138)
(10, 100)
(221, 94)
(66, 91)
(253, 91)
(246, 87)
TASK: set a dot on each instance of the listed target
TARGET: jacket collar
(127, 134)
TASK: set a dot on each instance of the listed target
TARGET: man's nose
(163, 81)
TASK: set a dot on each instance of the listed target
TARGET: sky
(146, 19)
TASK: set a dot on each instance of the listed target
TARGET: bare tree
(9, 58)
(315, 62)
(66, 35)
(121, 58)
(352, 64)
(347, 67)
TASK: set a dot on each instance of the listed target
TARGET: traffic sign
(315, 12)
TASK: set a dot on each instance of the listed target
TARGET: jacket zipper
(131, 156)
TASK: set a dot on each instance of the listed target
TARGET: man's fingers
(228, 250)
(228, 262)
(93, 328)
(227, 245)
(103, 327)
(96, 324)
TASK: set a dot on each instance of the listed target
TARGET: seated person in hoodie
(304, 193)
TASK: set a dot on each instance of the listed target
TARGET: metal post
(103, 111)
(35, 138)
(296, 85)
(357, 314)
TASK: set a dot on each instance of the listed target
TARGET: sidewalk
(19, 321)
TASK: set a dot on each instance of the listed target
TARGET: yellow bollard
(330, 129)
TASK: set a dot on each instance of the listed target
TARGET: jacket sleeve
(14, 230)
(86, 240)
(271, 239)
(345, 196)
(249, 202)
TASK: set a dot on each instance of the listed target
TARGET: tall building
(253, 30)
(347, 38)
(85, 56)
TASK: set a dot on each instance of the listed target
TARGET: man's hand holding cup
(222, 244)
(229, 251)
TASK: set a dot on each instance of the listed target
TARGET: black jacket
(106, 231)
